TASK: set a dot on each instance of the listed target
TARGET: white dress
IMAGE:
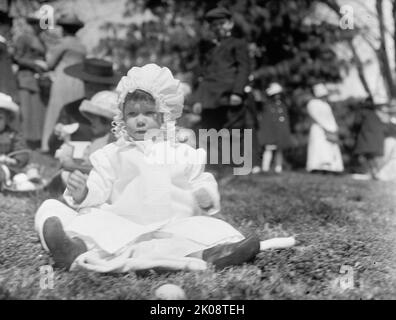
(140, 210)
(322, 154)
(387, 171)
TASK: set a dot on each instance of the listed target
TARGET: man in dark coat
(223, 75)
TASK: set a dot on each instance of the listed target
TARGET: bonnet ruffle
(160, 83)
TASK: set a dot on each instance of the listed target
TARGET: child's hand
(203, 199)
(186, 136)
(77, 185)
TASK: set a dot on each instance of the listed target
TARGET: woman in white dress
(147, 201)
(324, 153)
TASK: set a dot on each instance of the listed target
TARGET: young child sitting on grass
(147, 201)
(10, 140)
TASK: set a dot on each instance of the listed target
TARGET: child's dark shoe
(230, 254)
(63, 249)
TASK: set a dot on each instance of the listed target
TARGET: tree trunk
(394, 30)
(386, 70)
(360, 69)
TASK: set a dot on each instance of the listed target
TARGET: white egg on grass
(170, 292)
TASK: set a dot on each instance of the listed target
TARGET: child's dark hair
(10, 118)
(139, 96)
(10, 115)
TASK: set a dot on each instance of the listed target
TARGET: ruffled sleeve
(100, 181)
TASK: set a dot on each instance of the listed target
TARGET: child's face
(98, 126)
(221, 27)
(3, 119)
(140, 117)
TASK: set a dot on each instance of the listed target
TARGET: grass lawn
(336, 221)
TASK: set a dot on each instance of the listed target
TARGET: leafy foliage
(284, 45)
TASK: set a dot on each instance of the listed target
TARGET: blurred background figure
(29, 56)
(376, 142)
(370, 139)
(99, 111)
(8, 83)
(274, 132)
(68, 51)
(10, 140)
(324, 154)
(224, 73)
(97, 75)
(387, 163)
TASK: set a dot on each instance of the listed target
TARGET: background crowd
(239, 70)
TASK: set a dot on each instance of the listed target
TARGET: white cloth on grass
(322, 154)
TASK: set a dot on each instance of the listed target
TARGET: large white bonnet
(160, 83)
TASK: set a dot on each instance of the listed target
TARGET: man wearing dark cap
(97, 75)
(224, 73)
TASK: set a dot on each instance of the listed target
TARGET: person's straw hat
(94, 70)
(273, 89)
(6, 103)
(320, 90)
(103, 104)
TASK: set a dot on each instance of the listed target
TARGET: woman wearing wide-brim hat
(29, 49)
(94, 70)
(97, 75)
(68, 51)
